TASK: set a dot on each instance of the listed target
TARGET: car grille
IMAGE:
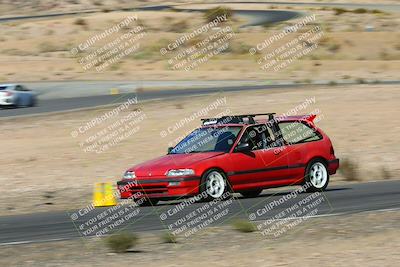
(150, 189)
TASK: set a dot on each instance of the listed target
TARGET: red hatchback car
(241, 153)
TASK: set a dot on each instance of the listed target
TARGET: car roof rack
(241, 119)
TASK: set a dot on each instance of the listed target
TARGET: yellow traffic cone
(114, 91)
(103, 195)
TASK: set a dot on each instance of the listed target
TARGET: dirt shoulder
(365, 239)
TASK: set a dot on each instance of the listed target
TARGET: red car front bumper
(160, 188)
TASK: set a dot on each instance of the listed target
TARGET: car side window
(295, 132)
(257, 136)
(18, 88)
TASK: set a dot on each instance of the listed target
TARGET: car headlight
(129, 175)
(180, 172)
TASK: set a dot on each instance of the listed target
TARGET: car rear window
(296, 132)
(3, 87)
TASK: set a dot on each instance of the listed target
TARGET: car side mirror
(243, 147)
(170, 149)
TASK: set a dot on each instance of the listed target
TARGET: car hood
(159, 166)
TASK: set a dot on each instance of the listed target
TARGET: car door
(262, 165)
(22, 96)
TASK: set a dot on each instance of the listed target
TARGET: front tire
(316, 176)
(214, 185)
(33, 102)
(17, 103)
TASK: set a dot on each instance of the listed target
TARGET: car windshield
(208, 139)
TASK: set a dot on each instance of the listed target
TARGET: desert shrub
(385, 173)
(80, 22)
(141, 23)
(349, 169)
(333, 47)
(115, 66)
(241, 48)
(332, 83)
(315, 57)
(213, 13)
(385, 55)
(15, 52)
(339, 11)
(360, 80)
(194, 41)
(167, 237)
(360, 11)
(377, 11)
(121, 242)
(151, 51)
(97, 3)
(180, 26)
(46, 47)
(243, 226)
(325, 40)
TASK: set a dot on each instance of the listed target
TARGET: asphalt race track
(338, 200)
(64, 104)
(72, 103)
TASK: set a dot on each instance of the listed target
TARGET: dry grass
(243, 226)
(349, 169)
(121, 242)
(168, 237)
(385, 173)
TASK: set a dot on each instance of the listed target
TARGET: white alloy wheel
(215, 184)
(318, 175)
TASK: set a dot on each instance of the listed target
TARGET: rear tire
(251, 193)
(316, 176)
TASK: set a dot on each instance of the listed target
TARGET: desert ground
(21, 7)
(341, 53)
(46, 168)
(365, 239)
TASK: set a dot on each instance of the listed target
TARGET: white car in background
(16, 95)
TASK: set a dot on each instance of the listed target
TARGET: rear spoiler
(310, 118)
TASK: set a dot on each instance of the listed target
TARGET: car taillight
(9, 94)
(332, 150)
